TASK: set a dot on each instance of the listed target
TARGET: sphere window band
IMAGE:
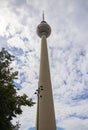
(43, 29)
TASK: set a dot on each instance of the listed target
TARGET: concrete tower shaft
(45, 105)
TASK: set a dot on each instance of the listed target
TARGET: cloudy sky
(68, 56)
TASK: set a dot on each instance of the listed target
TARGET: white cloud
(74, 123)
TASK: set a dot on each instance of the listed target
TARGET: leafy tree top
(10, 102)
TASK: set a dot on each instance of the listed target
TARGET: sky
(68, 56)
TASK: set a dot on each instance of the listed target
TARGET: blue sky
(68, 55)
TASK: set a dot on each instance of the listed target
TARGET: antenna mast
(43, 16)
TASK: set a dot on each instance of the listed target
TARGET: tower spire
(43, 16)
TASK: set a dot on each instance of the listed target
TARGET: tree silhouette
(10, 102)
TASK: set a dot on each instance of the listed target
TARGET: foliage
(10, 102)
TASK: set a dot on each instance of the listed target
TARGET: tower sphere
(43, 29)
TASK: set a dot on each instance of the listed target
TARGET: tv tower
(45, 106)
